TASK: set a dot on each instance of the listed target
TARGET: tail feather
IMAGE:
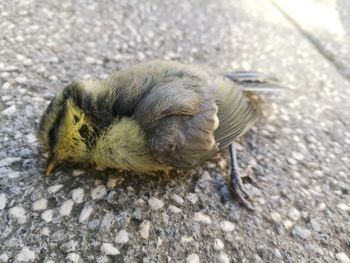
(255, 81)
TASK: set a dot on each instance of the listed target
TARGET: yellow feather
(123, 146)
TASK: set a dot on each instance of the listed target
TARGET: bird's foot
(238, 189)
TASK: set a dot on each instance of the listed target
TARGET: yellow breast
(123, 146)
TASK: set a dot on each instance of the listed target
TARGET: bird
(154, 116)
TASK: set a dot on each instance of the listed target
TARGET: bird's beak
(52, 163)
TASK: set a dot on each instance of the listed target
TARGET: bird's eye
(84, 131)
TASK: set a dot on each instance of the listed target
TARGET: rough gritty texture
(300, 155)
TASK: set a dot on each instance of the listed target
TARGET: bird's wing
(179, 118)
(235, 113)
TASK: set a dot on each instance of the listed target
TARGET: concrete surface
(299, 154)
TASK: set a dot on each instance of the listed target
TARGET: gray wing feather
(236, 115)
(179, 116)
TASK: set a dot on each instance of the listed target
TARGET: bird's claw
(238, 188)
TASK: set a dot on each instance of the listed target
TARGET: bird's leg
(236, 182)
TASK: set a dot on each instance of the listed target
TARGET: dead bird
(154, 116)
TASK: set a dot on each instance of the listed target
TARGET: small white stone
(78, 172)
(109, 249)
(3, 200)
(159, 242)
(178, 199)
(227, 226)
(321, 206)
(26, 255)
(343, 206)
(31, 138)
(19, 214)
(294, 214)
(193, 198)
(291, 161)
(113, 181)
(74, 257)
(40, 204)
(78, 195)
(90, 60)
(218, 244)
(275, 216)
(186, 239)
(192, 258)
(223, 258)
(144, 229)
(54, 188)
(45, 231)
(202, 218)
(13, 174)
(278, 254)
(66, 207)
(205, 176)
(287, 224)
(165, 218)
(47, 216)
(122, 237)
(342, 257)
(98, 192)
(298, 156)
(155, 203)
(10, 110)
(175, 209)
(85, 213)
(4, 257)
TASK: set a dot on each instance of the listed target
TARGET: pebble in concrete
(227, 226)
(47, 215)
(155, 203)
(294, 214)
(122, 237)
(174, 209)
(40, 204)
(85, 214)
(218, 244)
(178, 199)
(109, 249)
(301, 232)
(66, 207)
(73, 257)
(3, 200)
(26, 255)
(144, 229)
(342, 257)
(223, 258)
(98, 192)
(78, 195)
(19, 214)
(192, 258)
(4, 257)
(54, 188)
(202, 218)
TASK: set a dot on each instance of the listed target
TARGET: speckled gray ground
(299, 155)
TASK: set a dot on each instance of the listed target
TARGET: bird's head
(65, 132)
